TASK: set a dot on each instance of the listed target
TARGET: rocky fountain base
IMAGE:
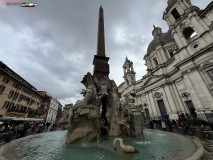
(102, 112)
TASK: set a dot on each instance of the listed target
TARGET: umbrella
(161, 119)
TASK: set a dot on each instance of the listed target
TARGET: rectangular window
(28, 100)
(14, 85)
(6, 104)
(20, 98)
(11, 94)
(15, 96)
(155, 61)
(210, 72)
(25, 109)
(24, 98)
(175, 14)
(2, 89)
(31, 102)
(11, 106)
(5, 80)
(19, 87)
(171, 53)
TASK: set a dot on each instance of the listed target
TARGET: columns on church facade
(149, 104)
(187, 4)
(174, 99)
(193, 92)
(178, 40)
(159, 57)
(181, 8)
(200, 94)
(167, 105)
(202, 90)
(177, 96)
(197, 27)
(170, 100)
(152, 104)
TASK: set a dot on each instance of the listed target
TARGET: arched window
(155, 61)
(127, 81)
(189, 33)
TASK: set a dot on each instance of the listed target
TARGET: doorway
(162, 108)
(191, 108)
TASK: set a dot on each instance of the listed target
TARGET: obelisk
(100, 61)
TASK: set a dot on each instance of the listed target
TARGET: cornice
(207, 9)
(194, 56)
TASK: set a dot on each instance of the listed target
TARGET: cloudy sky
(52, 45)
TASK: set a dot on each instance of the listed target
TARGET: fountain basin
(51, 146)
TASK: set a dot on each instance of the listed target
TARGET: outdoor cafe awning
(20, 119)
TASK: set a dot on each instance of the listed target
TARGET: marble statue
(127, 149)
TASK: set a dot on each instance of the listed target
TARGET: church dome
(159, 38)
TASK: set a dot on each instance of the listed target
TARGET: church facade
(179, 64)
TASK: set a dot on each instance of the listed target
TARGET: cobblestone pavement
(208, 146)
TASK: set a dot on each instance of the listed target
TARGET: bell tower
(100, 61)
(184, 21)
(129, 73)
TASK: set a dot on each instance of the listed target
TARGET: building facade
(53, 110)
(179, 64)
(18, 98)
(66, 108)
(59, 112)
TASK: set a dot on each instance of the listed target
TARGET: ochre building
(18, 98)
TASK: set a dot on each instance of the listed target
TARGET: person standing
(163, 124)
(186, 126)
(177, 123)
(2, 128)
(9, 135)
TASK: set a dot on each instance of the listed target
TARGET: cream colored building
(179, 64)
(53, 109)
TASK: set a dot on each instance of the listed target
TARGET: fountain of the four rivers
(97, 122)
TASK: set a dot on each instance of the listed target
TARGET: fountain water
(50, 127)
(52, 146)
(138, 124)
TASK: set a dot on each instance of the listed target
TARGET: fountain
(101, 113)
(95, 123)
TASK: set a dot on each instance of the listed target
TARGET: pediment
(152, 79)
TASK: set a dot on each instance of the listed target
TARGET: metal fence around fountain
(206, 116)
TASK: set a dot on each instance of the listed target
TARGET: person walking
(186, 126)
(170, 125)
(20, 130)
(9, 135)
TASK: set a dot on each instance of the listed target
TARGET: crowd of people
(15, 129)
(185, 124)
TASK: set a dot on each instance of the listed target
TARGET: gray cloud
(52, 45)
